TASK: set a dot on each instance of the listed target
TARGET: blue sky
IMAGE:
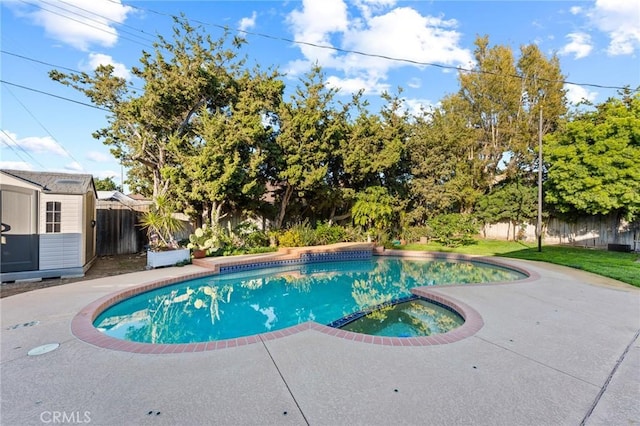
(598, 43)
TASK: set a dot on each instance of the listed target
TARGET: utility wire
(45, 129)
(146, 37)
(373, 55)
(54, 65)
(38, 61)
(54, 96)
(15, 143)
(84, 23)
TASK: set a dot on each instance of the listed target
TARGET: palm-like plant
(160, 223)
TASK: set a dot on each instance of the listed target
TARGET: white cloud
(79, 23)
(15, 165)
(74, 167)
(580, 45)
(577, 94)
(370, 86)
(103, 174)
(619, 20)
(248, 23)
(575, 10)
(98, 157)
(416, 107)
(97, 59)
(314, 24)
(370, 7)
(375, 28)
(404, 33)
(34, 144)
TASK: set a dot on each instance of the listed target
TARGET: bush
(453, 229)
(250, 236)
(354, 234)
(300, 235)
(329, 234)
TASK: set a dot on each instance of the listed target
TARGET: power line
(54, 96)
(147, 37)
(82, 22)
(45, 129)
(38, 61)
(27, 58)
(373, 55)
(15, 143)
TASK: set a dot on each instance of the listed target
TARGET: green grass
(620, 266)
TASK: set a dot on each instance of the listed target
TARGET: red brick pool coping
(82, 324)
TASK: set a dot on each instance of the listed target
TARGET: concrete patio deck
(560, 349)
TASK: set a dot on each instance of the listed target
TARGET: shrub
(300, 235)
(326, 233)
(453, 229)
(250, 236)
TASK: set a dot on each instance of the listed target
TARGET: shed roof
(54, 182)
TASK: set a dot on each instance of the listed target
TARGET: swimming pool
(251, 302)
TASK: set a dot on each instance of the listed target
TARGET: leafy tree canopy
(595, 160)
(106, 184)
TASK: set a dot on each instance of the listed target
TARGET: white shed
(48, 224)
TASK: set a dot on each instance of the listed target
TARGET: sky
(45, 126)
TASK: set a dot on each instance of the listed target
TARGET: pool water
(414, 318)
(246, 303)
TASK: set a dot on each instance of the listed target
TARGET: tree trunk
(283, 206)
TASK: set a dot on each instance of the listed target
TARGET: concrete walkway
(559, 350)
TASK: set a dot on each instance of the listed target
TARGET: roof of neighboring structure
(54, 182)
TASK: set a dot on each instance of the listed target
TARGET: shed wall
(63, 249)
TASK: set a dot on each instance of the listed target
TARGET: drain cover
(40, 350)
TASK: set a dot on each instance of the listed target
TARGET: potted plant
(161, 226)
(201, 241)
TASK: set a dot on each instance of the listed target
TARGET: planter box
(156, 259)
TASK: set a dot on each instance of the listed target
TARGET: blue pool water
(257, 301)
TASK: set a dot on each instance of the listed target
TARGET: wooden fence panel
(118, 232)
(588, 231)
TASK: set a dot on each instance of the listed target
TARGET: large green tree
(310, 129)
(443, 167)
(181, 77)
(595, 160)
(223, 168)
(503, 100)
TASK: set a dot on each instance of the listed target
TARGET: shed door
(19, 231)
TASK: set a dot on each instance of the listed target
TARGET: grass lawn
(620, 266)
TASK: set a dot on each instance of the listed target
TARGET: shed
(48, 224)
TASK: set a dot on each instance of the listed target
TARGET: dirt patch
(104, 266)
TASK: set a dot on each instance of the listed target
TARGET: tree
(512, 201)
(106, 184)
(594, 160)
(443, 165)
(181, 77)
(503, 100)
(374, 210)
(309, 134)
(224, 165)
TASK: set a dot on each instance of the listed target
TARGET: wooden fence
(590, 231)
(118, 230)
